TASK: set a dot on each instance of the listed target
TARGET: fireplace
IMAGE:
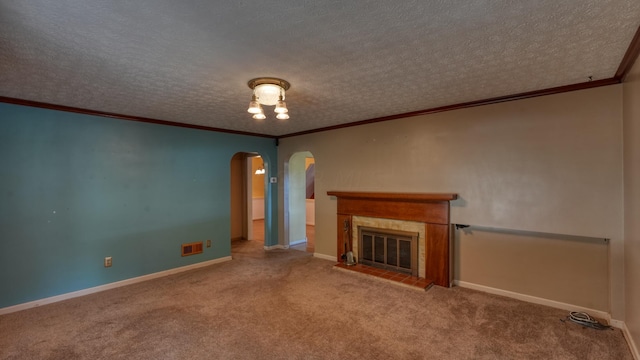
(390, 225)
(426, 214)
(387, 249)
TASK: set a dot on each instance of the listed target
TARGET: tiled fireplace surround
(425, 214)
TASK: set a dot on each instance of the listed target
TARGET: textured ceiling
(189, 61)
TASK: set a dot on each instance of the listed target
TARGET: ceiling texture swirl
(189, 62)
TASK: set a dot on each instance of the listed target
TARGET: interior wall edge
(631, 139)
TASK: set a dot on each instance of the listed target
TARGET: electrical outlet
(107, 261)
(208, 243)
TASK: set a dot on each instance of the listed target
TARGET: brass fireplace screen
(388, 249)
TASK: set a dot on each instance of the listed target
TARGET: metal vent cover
(192, 248)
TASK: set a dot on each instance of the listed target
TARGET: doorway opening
(301, 201)
(256, 176)
(247, 197)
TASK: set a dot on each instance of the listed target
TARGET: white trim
(325, 257)
(293, 243)
(618, 324)
(536, 300)
(274, 247)
(113, 285)
(630, 342)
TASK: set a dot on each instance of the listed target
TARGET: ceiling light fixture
(268, 91)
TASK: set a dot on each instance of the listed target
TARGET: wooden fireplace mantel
(427, 197)
(432, 209)
(421, 207)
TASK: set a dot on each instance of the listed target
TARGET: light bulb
(282, 116)
(259, 116)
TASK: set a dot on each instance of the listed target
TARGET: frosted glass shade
(268, 94)
(254, 107)
(281, 107)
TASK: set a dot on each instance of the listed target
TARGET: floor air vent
(192, 248)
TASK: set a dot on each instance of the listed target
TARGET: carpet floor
(286, 304)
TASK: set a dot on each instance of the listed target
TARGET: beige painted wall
(632, 202)
(573, 270)
(550, 164)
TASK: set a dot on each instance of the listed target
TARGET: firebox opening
(388, 249)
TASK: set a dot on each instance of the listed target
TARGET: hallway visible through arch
(248, 197)
(301, 201)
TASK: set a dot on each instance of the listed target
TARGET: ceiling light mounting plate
(269, 80)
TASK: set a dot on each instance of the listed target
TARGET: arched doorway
(301, 201)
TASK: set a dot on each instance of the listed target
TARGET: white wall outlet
(107, 261)
(208, 243)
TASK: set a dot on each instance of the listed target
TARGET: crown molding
(629, 58)
(495, 100)
(10, 100)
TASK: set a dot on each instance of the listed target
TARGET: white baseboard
(325, 257)
(278, 246)
(113, 285)
(537, 300)
(618, 324)
(296, 242)
(632, 344)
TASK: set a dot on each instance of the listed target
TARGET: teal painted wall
(75, 188)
